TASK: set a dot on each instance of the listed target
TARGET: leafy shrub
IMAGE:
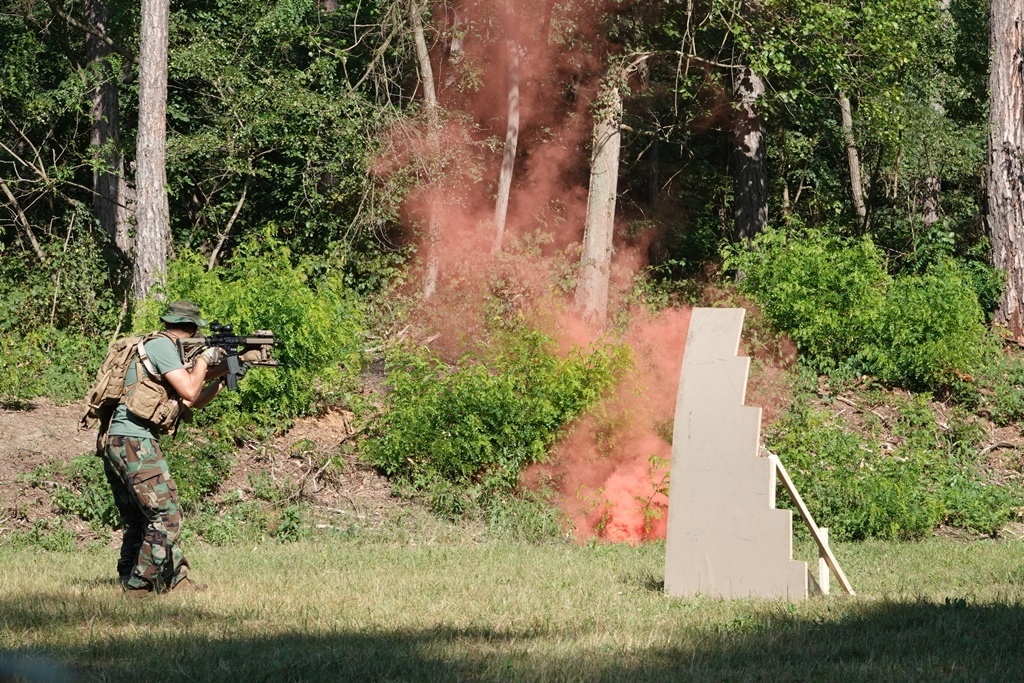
(473, 427)
(48, 362)
(998, 389)
(198, 463)
(860, 489)
(88, 495)
(822, 290)
(835, 300)
(71, 291)
(929, 330)
(262, 287)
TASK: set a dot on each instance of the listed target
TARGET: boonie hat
(183, 312)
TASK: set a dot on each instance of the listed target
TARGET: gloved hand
(253, 356)
(213, 356)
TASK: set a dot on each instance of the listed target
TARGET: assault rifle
(224, 337)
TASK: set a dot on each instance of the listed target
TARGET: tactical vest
(149, 398)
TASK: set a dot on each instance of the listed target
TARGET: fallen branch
(885, 420)
(998, 444)
(23, 220)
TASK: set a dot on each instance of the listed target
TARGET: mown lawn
(350, 611)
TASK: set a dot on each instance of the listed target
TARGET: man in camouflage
(144, 491)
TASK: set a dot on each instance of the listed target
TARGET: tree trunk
(932, 194)
(433, 237)
(749, 167)
(1005, 151)
(853, 159)
(595, 262)
(110, 192)
(508, 161)
(152, 215)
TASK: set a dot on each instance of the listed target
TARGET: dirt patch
(314, 463)
(33, 436)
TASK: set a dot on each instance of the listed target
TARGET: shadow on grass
(857, 641)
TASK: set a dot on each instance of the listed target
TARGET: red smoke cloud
(611, 470)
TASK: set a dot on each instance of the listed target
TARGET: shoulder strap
(144, 357)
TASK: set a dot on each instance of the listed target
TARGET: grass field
(350, 611)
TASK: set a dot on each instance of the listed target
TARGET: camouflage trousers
(147, 498)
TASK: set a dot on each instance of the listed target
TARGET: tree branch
(23, 219)
(89, 28)
(227, 228)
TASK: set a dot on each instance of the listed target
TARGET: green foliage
(52, 320)
(290, 524)
(929, 330)
(44, 535)
(823, 291)
(264, 287)
(835, 299)
(998, 389)
(87, 494)
(48, 362)
(860, 487)
(264, 106)
(450, 431)
(228, 523)
(198, 461)
(528, 517)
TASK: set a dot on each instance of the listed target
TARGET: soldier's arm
(188, 382)
(208, 393)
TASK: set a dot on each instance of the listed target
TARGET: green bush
(88, 494)
(263, 287)
(198, 462)
(451, 431)
(928, 330)
(834, 298)
(48, 362)
(823, 291)
(998, 388)
(860, 488)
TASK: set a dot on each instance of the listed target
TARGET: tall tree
(749, 159)
(153, 232)
(430, 107)
(110, 198)
(591, 297)
(1006, 156)
(852, 158)
(508, 159)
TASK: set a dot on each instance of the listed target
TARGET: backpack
(108, 388)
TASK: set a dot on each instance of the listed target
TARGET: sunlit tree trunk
(853, 159)
(152, 235)
(508, 160)
(595, 262)
(749, 167)
(932, 194)
(1005, 152)
(426, 71)
(110, 198)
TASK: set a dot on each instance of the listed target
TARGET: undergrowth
(461, 434)
(898, 479)
(846, 313)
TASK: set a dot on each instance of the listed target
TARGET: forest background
(506, 209)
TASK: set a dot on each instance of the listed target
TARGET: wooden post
(823, 548)
(823, 576)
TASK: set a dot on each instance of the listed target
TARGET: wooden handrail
(823, 546)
